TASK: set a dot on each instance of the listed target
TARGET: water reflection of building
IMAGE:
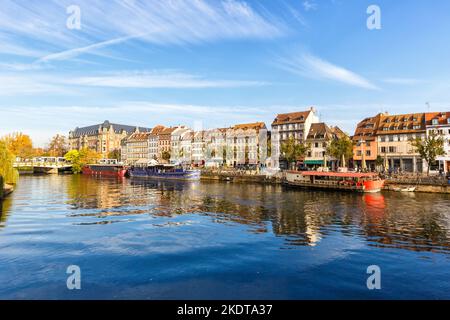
(94, 193)
(403, 222)
(300, 218)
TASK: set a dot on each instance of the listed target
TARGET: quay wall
(421, 186)
(241, 178)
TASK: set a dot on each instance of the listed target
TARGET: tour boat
(106, 170)
(162, 171)
(350, 181)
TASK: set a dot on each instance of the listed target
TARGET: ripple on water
(287, 243)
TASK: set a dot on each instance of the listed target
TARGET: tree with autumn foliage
(57, 146)
(7, 171)
(19, 144)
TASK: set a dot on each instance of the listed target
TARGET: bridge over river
(43, 167)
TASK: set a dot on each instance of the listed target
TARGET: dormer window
(448, 120)
(435, 121)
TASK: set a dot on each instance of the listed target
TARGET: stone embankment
(432, 184)
(421, 183)
(241, 177)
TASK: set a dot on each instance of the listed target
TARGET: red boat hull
(349, 181)
(105, 171)
(373, 185)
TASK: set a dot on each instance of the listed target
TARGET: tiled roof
(247, 126)
(367, 128)
(167, 131)
(293, 117)
(401, 123)
(322, 131)
(139, 136)
(338, 132)
(94, 130)
(441, 117)
(157, 129)
(318, 131)
(188, 135)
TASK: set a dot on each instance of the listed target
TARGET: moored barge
(347, 181)
(105, 170)
(169, 172)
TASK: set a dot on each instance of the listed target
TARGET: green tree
(79, 159)
(165, 155)
(379, 161)
(292, 150)
(269, 146)
(341, 149)
(115, 154)
(7, 170)
(429, 148)
(224, 155)
(73, 156)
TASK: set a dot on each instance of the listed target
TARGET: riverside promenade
(422, 183)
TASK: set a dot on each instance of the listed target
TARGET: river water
(210, 240)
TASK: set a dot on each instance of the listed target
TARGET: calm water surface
(162, 240)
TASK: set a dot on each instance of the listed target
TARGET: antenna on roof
(428, 105)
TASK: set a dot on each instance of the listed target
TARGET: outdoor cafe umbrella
(363, 161)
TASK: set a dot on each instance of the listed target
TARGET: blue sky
(217, 62)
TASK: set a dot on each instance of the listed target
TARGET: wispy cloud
(296, 15)
(159, 79)
(309, 5)
(50, 84)
(29, 27)
(308, 65)
(72, 53)
(61, 119)
(20, 85)
(403, 81)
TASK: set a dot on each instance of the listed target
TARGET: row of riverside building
(252, 145)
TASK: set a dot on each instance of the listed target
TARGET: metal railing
(31, 164)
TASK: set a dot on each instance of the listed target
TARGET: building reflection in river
(413, 222)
